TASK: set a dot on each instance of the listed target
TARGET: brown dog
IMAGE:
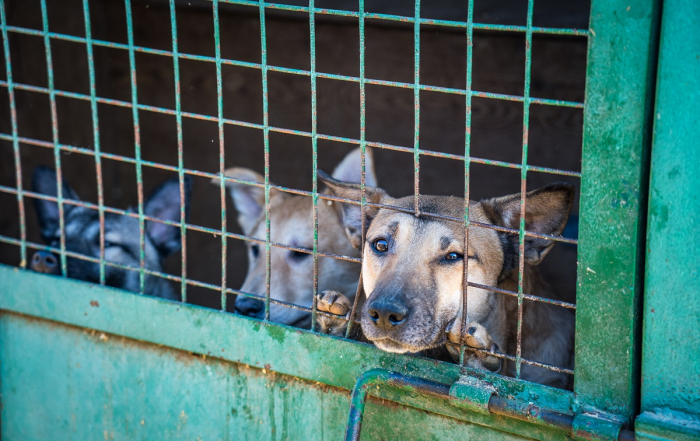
(291, 223)
(412, 272)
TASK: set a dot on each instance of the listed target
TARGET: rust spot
(267, 366)
(653, 310)
(94, 303)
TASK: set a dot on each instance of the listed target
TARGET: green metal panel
(671, 360)
(76, 384)
(613, 184)
(284, 350)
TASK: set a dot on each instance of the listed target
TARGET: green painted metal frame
(286, 350)
(619, 98)
(622, 43)
(670, 394)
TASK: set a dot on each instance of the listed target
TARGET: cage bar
(363, 152)
(180, 165)
(238, 63)
(266, 135)
(55, 139)
(523, 183)
(469, 26)
(137, 145)
(467, 164)
(239, 123)
(314, 148)
(15, 140)
(416, 110)
(96, 135)
(222, 161)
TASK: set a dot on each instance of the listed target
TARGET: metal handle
(496, 405)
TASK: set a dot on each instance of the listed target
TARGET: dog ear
(164, 203)
(248, 199)
(546, 212)
(44, 182)
(352, 213)
(350, 168)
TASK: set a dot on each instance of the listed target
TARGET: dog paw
(332, 302)
(479, 338)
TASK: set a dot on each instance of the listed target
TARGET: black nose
(44, 262)
(249, 307)
(387, 315)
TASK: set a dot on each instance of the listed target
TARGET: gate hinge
(595, 426)
(473, 394)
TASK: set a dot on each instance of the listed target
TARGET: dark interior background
(555, 133)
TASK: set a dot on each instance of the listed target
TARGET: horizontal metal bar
(146, 50)
(214, 232)
(504, 356)
(198, 228)
(381, 145)
(64, 147)
(498, 405)
(171, 277)
(405, 19)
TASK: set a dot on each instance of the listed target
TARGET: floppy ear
(248, 199)
(546, 212)
(352, 214)
(164, 203)
(350, 168)
(44, 182)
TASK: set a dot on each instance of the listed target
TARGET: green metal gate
(83, 361)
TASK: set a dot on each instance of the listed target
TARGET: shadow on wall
(555, 133)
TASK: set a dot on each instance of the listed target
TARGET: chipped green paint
(619, 87)
(231, 338)
(670, 357)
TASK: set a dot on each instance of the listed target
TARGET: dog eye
(298, 255)
(450, 257)
(380, 245)
(255, 250)
(108, 244)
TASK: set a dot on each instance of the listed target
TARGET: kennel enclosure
(83, 361)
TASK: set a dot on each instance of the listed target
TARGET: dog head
(291, 223)
(412, 267)
(81, 234)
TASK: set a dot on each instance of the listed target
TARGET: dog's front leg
(335, 303)
(476, 337)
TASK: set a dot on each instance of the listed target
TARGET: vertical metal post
(363, 151)
(314, 147)
(222, 162)
(137, 145)
(180, 165)
(96, 135)
(416, 109)
(15, 138)
(54, 137)
(523, 184)
(467, 163)
(266, 135)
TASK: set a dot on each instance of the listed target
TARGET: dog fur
(121, 236)
(291, 223)
(414, 286)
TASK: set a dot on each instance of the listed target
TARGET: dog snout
(387, 314)
(44, 262)
(249, 307)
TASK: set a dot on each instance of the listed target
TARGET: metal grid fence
(469, 27)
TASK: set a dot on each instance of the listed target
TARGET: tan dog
(291, 223)
(412, 271)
